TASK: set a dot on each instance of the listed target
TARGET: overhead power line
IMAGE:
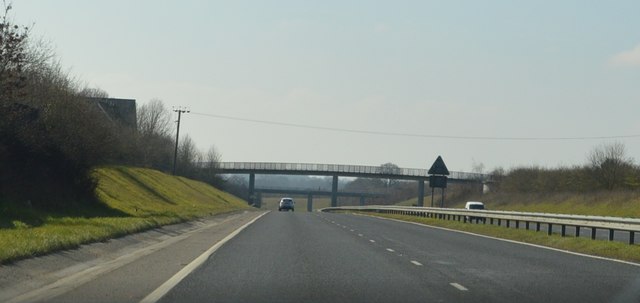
(427, 136)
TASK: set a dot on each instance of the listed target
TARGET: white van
(475, 205)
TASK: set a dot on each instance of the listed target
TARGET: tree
(154, 119)
(390, 169)
(610, 165)
(13, 57)
(49, 135)
(94, 92)
(188, 158)
(156, 143)
(210, 166)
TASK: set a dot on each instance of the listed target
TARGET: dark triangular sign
(439, 168)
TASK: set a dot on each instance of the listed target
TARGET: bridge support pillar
(310, 202)
(334, 192)
(421, 193)
(259, 200)
(361, 200)
(252, 186)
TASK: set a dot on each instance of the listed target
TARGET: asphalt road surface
(324, 257)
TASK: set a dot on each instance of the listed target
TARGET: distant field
(130, 200)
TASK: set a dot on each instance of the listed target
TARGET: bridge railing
(631, 225)
(339, 168)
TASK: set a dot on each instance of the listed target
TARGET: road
(323, 257)
(316, 257)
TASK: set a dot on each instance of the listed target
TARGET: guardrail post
(537, 226)
(309, 202)
(577, 231)
(593, 233)
(549, 229)
(526, 225)
(563, 231)
(517, 224)
(491, 221)
(508, 223)
(632, 236)
(465, 219)
(611, 235)
(499, 222)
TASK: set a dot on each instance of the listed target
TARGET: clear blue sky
(454, 68)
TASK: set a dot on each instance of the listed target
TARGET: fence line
(611, 224)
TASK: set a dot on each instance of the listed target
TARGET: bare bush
(154, 119)
(155, 141)
(610, 165)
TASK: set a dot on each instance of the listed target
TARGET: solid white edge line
(458, 286)
(510, 241)
(416, 263)
(173, 281)
(67, 283)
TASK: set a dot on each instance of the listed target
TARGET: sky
(481, 83)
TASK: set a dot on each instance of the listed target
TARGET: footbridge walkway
(337, 170)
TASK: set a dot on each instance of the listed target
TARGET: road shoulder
(131, 265)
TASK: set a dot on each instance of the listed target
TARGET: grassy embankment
(618, 204)
(615, 204)
(129, 200)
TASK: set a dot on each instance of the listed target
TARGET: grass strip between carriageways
(601, 248)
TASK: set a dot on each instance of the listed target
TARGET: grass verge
(129, 200)
(614, 250)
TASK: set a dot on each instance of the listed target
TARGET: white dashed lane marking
(372, 241)
(416, 263)
(458, 286)
(390, 250)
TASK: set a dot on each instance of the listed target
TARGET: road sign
(439, 168)
(438, 181)
(438, 178)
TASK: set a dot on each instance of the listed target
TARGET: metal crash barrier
(611, 224)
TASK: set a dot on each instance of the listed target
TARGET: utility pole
(179, 110)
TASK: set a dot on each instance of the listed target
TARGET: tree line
(51, 136)
(608, 168)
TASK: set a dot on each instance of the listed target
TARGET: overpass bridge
(336, 170)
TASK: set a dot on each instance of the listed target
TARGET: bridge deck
(340, 170)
